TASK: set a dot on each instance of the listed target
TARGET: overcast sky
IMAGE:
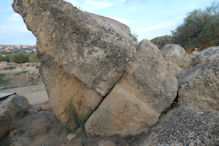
(146, 18)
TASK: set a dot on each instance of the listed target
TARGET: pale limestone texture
(11, 109)
(185, 126)
(136, 102)
(207, 55)
(176, 57)
(67, 93)
(199, 86)
(92, 48)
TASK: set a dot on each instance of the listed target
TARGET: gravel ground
(35, 94)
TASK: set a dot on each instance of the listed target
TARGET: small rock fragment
(70, 137)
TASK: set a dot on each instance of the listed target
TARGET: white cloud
(156, 30)
(132, 8)
(122, 20)
(16, 34)
(127, 1)
(160, 29)
(190, 8)
(5, 9)
(181, 10)
(150, 36)
(14, 17)
(155, 27)
(15, 28)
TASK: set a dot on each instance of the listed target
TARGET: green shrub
(34, 58)
(3, 81)
(200, 27)
(20, 57)
(129, 137)
(162, 40)
(4, 58)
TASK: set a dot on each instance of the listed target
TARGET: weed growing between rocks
(129, 137)
(79, 120)
(74, 117)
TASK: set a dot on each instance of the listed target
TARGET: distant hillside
(18, 48)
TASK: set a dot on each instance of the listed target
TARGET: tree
(4, 58)
(162, 40)
(20, 57)
(200, 27)
(34, 58)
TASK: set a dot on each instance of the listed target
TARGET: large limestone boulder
(83, 55)
(35, 129)
(12, 108)
(185, 126)
(92, 48)
(199, 86)
(177, 57)
(210, 54)
(68, 95)
(136, 102)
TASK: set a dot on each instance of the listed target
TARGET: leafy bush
(34, 58)
(3, 81)
(20, 57)
(200, 27)
(4, 58)
(163, 40)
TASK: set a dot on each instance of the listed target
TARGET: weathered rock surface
(135, 103)
(43, 128)
(185, 126)
(194, 54)
(12, 108)
(67, 93)
(210, 54)
(92, 48)
(86, 57)
(106, 143)
(199, 86)
(35, 129)
(176, 57)
(173, 68)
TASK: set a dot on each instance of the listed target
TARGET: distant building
(15, 48)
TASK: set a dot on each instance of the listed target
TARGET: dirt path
(19, 77)
(35, 94)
